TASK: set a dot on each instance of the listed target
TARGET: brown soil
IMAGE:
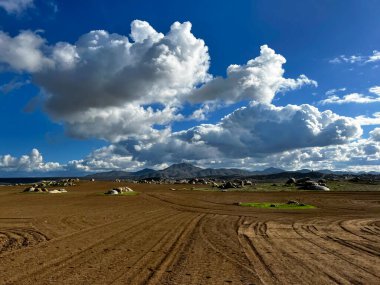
(187, 237)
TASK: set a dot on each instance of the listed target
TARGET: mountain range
(187, 170)
(181, 171)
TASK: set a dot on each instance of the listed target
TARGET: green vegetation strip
(267, 205)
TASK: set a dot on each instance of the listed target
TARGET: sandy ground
(187, 237)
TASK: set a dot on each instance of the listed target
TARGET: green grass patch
(268, 205)
(203, 189)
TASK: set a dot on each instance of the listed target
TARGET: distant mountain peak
(145, 170)
(183, 166)
(272, 170)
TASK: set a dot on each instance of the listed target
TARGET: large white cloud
(108, 70)
(103, 69)
(252, 131)
(259, 80)
(15, 6)
(102, 85)
(358, 155)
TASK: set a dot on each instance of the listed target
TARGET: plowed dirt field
(187, 237)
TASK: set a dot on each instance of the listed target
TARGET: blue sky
(160, 96)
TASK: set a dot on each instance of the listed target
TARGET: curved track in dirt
(187, 237)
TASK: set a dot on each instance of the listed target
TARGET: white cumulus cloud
(356, 155)
(259, 80)
(108, 70)
(251, 131)
(28, 162)
(103, 85)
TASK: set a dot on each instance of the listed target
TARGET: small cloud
(53, 6)
(353, 59)
(16, 6)
(368, 121)
(374, 57)
(334, 91)
(13, 85)
(375, 90)
(357, 98)
(335, 60)
(347, 59)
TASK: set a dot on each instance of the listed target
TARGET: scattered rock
(320, 188)
(308, 184)
(29, 189)
(291, 181)
(228, 185)
(57, 191)
(112, 192)
(118, 190)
